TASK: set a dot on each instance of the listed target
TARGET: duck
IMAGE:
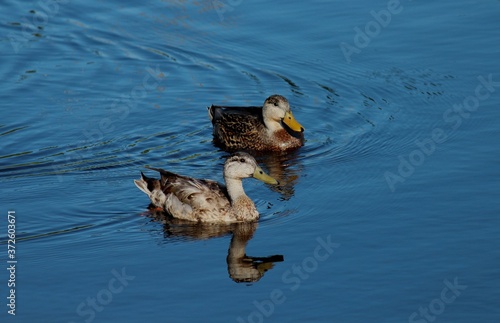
(271, 127)
(204, 200)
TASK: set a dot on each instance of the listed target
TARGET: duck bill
(293, 124)
(262, 176)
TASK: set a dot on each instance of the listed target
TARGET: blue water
(389, 213)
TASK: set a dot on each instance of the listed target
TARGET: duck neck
(272, 125)
(234, 188)
(241, 205)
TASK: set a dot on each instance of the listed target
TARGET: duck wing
(235, 126)
(193, 199)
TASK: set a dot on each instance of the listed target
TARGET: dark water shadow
(284, 167)
(241, 267)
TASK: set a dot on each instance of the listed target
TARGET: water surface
(392, 200)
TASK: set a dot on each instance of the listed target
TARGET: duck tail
(142, 184)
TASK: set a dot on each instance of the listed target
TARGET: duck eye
(275, 104)
(242, 160)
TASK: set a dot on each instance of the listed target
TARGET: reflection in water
(280, 165)
(241, 268)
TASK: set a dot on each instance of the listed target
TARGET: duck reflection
(241, 267)
(284, 167)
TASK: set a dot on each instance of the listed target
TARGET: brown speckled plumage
(236, 128)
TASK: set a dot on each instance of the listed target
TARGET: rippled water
(391, 203)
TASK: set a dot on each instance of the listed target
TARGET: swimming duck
(271, 127)
(203, 200)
